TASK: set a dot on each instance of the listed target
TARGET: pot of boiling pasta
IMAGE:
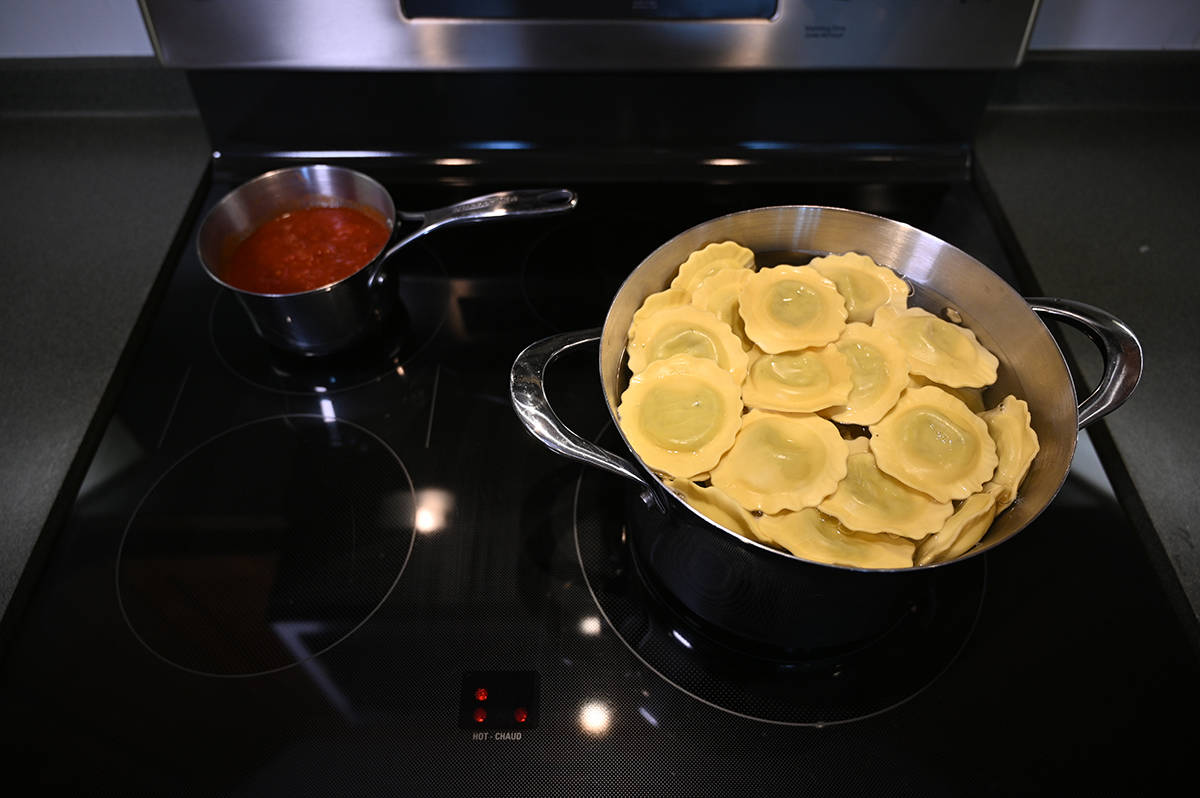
(820, 405)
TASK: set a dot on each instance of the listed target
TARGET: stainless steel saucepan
(765, 581)
(332, 317)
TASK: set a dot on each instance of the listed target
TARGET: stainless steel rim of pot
(245, 208)
(942, 275)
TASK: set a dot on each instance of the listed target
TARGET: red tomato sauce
(305, 249)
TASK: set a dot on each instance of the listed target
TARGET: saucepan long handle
(1117, 344)
(500, 205)
(529, 399)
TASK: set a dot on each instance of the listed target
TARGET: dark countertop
(1095, 168)
(1098, 193)
(99, 165)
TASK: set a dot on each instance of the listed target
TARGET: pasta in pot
(878, 375)
(687, 329)
(868, 500)
(782, 461)
(681, 414)
(797, 382)
(791, 307)
(1010, 426)
(719, 294)
(942, 351)
(864, 284)
(933, 443)
(809, 409)
(703, 263)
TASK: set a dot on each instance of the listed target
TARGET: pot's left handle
(533, 407)
(1119, 347)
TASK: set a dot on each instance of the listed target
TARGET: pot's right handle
(1117, 344)
(533, 407)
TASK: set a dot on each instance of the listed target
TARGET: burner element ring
(841, 666)
(266, 546)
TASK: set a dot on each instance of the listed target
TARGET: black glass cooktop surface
(360, 575)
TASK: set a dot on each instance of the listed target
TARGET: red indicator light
(480, 714)
(481, 694)
(520, 715)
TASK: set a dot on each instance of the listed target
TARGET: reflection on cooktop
(423, 290)
(266, 546)
(572, 272)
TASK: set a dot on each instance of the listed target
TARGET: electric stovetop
(360, 575)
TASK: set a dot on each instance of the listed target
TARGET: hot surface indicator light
(481, 694)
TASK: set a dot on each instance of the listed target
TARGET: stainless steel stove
(358, 574)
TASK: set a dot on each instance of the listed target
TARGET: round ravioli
(878, 375)
(864, 284)
(868, 500)
(963, 530)
(715, 505)
(782, 462)
(945, 353)
(971, 397)
(804, 381)
(1011, 429)
(812, 535)
(718, 294)
(687, 330)
(933, 443)
(681, 414)
(671, 298)
(703, 263)
(791, 307)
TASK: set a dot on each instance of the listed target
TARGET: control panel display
(498, 700)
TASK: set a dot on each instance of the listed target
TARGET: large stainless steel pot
(771, 596)
(332, 317)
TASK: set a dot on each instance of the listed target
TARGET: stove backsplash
(729, 119)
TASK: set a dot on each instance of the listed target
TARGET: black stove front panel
(359, 575)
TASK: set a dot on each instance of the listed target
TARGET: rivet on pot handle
(533, 407)
(1117, 344)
